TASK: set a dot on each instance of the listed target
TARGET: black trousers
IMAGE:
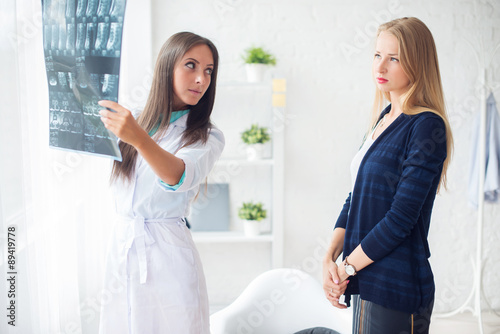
(370, 318)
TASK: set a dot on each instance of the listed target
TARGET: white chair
(280, 301)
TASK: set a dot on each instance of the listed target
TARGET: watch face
(349, 270)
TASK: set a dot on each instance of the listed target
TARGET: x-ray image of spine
(82, 45)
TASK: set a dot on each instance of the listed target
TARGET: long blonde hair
(418, 58)
(159, 106)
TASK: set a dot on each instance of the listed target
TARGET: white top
(356, 161)
(146, 197)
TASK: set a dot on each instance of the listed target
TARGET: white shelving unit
(260, 162)
(261, 101)
(230, 236)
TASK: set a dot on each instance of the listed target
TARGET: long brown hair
(159, 105)
(418, 58)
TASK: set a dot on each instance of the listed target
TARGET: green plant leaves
(255, 135)
(258, 56)
(251, 211)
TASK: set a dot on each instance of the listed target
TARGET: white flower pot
(255, 152)
(255, 72)
(251, 228)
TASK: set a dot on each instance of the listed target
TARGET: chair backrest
(280, 301)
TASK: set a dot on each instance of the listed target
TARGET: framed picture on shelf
(210, 210)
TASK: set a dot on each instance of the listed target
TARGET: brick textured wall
(324, 50)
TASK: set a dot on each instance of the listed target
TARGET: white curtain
(58, 201)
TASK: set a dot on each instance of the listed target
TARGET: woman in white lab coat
(154, 281)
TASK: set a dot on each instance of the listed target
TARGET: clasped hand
(334, 283)
(121, 122)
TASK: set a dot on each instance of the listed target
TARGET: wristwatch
(349, 269)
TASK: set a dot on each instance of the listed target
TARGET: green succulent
(251, 211)
(255, 135)
(258, 56)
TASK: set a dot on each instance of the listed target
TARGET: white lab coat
(154, 281)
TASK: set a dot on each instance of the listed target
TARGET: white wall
(324, 50)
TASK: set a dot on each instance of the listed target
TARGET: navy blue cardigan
(389, 213)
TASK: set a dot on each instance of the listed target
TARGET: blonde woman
(382, 229)
(154, 280)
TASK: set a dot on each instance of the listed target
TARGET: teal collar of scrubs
(175, 116)
(178, 114)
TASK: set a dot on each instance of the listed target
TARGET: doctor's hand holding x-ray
(123, 124)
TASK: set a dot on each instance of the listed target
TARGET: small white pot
(255, 72)
(251, 228)
(255, 152)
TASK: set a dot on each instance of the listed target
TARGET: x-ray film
(82, 45)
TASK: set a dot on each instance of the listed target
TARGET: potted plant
(252, 214)
(255, 138)
(257, 60)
